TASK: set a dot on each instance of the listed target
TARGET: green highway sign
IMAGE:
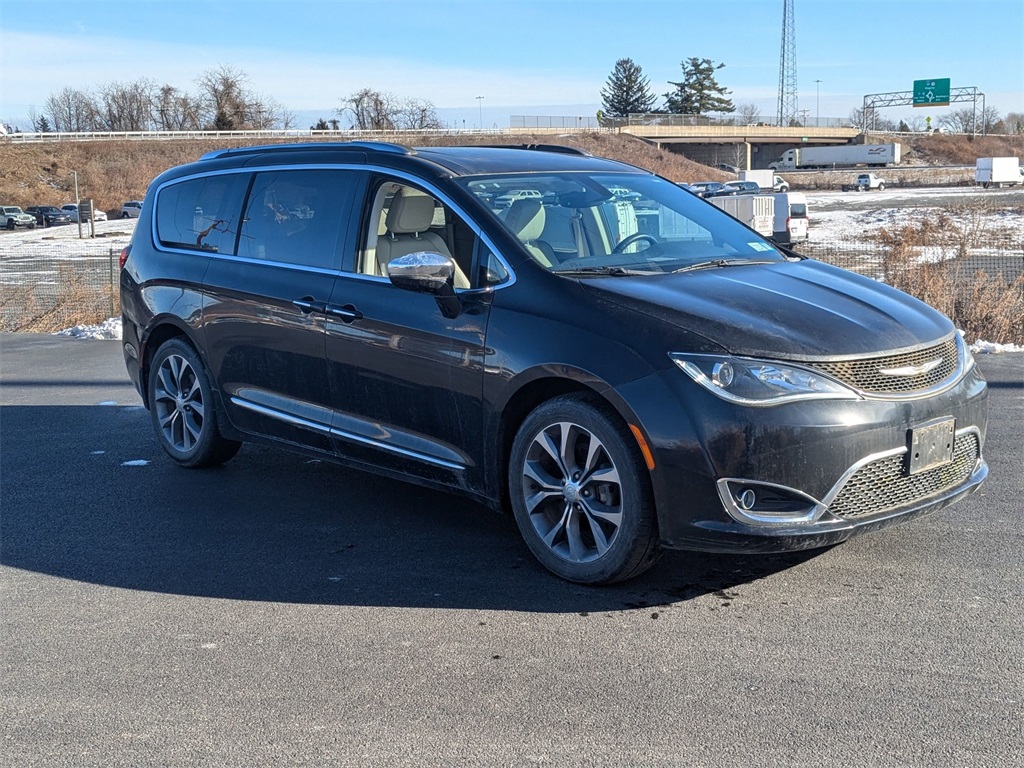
(931, 93)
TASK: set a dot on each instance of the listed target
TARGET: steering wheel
(634, 238)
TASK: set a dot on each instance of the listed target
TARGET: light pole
(817, 104)
(480, 102)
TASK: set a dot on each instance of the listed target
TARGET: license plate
(930, 445)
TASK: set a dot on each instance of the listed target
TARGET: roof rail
(380, 146)
(558, 148)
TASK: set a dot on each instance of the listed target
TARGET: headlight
(760, 383)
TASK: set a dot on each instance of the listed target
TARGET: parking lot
(282, 611)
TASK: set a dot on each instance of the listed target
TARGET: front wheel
(182, 408)
(580, 493)
(881, 187)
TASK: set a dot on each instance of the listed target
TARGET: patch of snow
(991, 348)
(108, 329)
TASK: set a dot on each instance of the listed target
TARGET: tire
(586, 511)
(124, 216)
(881, 187)
(11, 225)
(181, 406)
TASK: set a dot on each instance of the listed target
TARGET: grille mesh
(866, 376)
(883, 485)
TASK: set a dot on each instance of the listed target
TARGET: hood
(790, 310)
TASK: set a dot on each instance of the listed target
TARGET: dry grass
(985, 305)
(111, 172)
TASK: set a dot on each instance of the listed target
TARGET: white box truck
(998, 172)
(766, 180)
(845, 156)
(756, 211)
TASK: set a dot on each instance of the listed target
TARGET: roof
(457, 160)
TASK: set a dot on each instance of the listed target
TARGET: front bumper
(840, 466)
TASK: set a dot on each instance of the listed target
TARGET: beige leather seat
(526, 219)
(407, 230)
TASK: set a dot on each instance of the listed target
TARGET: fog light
(760, 503)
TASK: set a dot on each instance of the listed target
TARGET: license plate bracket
(930, 445)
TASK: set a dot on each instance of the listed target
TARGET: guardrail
(275, 133)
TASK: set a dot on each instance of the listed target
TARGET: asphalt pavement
(279, 611)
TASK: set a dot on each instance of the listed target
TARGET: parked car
(72, 210)
(131, 209)
(707, 188)
(727, 168)
(619, 386)
(48, 215)
(743, 187)
(508, 198)
(867, 181)
(12, 217)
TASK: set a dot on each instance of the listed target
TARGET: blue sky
(535, 57)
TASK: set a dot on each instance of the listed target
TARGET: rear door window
(295, 216)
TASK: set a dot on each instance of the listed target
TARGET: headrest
(526, 219)
(410, 211)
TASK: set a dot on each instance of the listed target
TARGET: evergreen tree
(698, 93)
(627, 91)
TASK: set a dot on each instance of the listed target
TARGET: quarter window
(201, 214)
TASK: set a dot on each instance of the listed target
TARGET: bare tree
(71, 110)
(371, 110)
(969, 120)
(225, 99)
(417, 114)
(747, 114)
(176, 110)
(1014, 122)
(988, 118)
(126, 106)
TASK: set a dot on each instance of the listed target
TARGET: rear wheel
(182, 408)
(579, 492)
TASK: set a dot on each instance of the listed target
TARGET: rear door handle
(346, 313)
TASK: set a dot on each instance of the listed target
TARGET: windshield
(616, 223)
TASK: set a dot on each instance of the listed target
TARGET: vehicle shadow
(102, 504)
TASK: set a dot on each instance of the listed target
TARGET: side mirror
(427, 272)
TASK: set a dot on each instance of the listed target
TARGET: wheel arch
(539, 390)
(160, 333)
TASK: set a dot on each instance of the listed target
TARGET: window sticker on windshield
(760, 246)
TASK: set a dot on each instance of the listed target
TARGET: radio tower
(788, 105)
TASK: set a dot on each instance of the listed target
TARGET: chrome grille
(883, 485)
(866, 374)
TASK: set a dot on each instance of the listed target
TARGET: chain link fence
(51, 285)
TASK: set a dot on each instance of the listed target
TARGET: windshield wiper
(602, 271)
(719, 263)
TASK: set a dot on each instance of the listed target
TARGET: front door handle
(308, 304)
